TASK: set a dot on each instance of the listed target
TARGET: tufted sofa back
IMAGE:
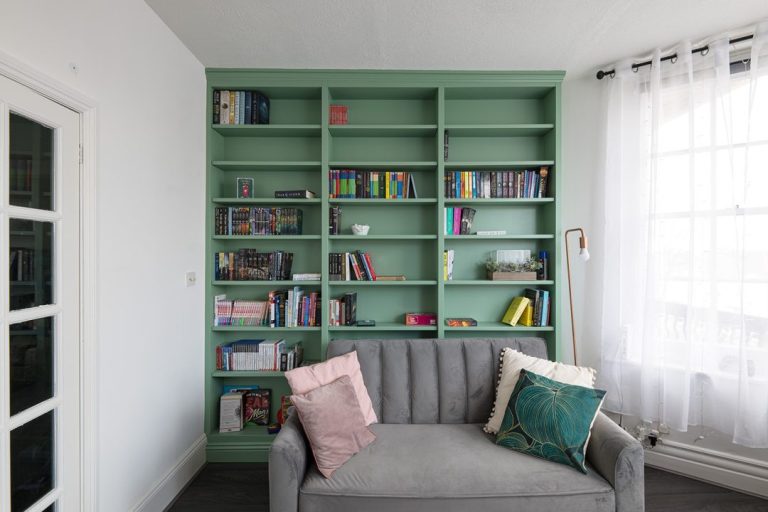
(433, 380)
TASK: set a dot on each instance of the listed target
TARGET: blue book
(248, 107)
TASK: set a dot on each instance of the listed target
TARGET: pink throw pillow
(306, 378)
(333, 423)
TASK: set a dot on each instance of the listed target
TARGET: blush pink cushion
(333, 423)
(307, 378)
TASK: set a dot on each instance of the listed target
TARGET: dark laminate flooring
(239, 487)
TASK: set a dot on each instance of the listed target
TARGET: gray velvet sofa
(432, 397)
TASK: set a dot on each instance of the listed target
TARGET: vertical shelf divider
(439, 188)
(325, 149)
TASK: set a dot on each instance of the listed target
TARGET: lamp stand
(582, 245)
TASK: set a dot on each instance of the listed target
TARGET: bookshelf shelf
(386, 165)
(267, 165)
(398, 122)
(500, 237)
(383, 283)
(500, 201)
(267, 130)
(499, 130)
(483, 165)
(488, 282)
(383, 130)
(384, 326)
(382, 237)
(243, 374)
(266, 237)
(264, 200)
(388, 202)
(276, 284)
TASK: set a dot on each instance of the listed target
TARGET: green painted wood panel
(397, 120)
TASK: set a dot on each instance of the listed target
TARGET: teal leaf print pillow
(549, 419)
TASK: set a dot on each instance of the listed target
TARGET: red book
(370, 265)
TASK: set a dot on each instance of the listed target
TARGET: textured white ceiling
(575, 35)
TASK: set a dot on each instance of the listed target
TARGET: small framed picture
(244, 187)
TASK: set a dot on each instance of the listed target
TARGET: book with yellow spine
(515, 310)
(527, 318)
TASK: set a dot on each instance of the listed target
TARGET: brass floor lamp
(584, 255)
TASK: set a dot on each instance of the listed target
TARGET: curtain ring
(635, 68)
(673, 60)
(705, 51)
(612, 74)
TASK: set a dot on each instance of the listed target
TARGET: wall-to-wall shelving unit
(397, 121)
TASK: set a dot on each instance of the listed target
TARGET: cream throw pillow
(513, 361)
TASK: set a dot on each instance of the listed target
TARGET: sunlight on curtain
(685, 230)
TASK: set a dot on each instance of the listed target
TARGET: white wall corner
(734, 472)
(175, 480)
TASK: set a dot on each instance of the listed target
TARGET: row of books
(343, 311)
(497, 184)
(283, 308)
(252, 265)
(458, 221)
(240, 107)
(20, 170)
(352, 184)
(244, 220)
(334, 220)
(351, 266)
(448, 256)
(532, 309)
(338, 114)
(258, 355)
(22, 264)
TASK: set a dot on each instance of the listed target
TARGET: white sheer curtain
(684, 313)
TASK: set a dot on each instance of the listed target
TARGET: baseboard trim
(738, 473)
(175, 480)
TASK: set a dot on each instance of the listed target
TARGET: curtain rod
(703, 49)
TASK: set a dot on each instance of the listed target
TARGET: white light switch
(190, 278)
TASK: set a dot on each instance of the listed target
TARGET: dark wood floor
(238, 487)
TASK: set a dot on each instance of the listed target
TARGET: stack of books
(497, 184)
(252, 265)
(240, 107)
(258, 355)
(351, 266)
(343, 311)
(352, 184)
(338, 114)
(532, 309)
(458, 221)
(235, 220)
(283, 308)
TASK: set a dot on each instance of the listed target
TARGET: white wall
(150, 182)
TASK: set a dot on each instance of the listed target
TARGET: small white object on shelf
(360, 229)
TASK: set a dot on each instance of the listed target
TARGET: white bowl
(360, 229)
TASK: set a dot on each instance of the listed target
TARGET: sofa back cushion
(433, 380)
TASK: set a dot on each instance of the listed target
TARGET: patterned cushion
(550, 419)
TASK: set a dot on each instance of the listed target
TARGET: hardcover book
(515, 310)
(461, 322)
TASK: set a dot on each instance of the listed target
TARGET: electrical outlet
(190, 279)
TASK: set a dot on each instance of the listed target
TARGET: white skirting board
(163, 493)
(738, 473)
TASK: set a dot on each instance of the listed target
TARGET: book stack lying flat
(351, 266)
(252, 265)
(258, 355)
(352, 184)
(497, 184)
(255, 221)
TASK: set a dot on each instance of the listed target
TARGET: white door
(39, 303)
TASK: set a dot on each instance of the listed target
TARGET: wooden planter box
(512, 276)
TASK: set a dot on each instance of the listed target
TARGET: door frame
(58, 92)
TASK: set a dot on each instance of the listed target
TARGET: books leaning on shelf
(515, 310)
(351, 266)
(237, 220)
(352, 184)
(448, 256)
(530, 310)
(338, 114)
(294, 194)
(458, 221)
(497, 184)
(258, 355)
(293, 307)
(252, 265)
(240, 107)
(343, 311)
(334, 220)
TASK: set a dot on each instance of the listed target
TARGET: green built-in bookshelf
(397, 121)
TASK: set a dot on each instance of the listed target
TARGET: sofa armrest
(619, 458)
(288, 459)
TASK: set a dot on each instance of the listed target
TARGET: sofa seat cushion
(449, 468)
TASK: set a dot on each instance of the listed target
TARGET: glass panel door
(39, 303)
